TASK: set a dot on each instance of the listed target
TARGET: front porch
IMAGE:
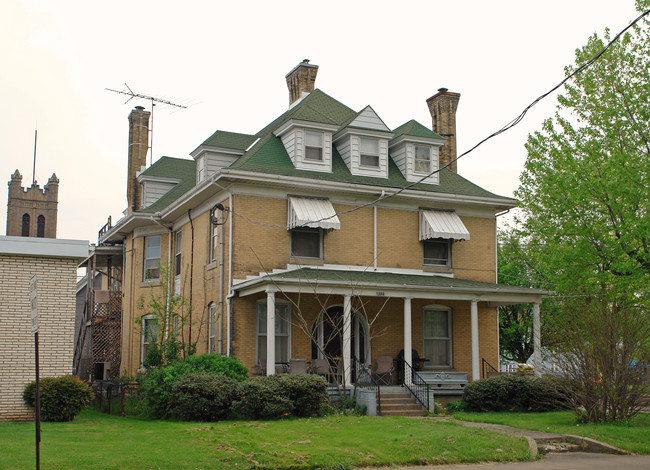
(352, 316)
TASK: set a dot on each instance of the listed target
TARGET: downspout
(169, 276)
(189, 336)
(230, 292)
(374, 207)
(221, 272)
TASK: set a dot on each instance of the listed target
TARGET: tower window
(25, 232)
(40, 226)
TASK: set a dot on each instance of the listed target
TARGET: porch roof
(383, 283)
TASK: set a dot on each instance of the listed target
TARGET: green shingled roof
(415, 129)
(168, 167)
(230, 140)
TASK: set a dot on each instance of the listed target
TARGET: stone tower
(32, 212)
(443, 106)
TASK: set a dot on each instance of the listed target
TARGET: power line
(505, 128)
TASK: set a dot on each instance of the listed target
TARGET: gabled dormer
(415, 150)
(363, 144)
(308, 144)
(220, 150)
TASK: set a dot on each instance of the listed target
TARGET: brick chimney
(138, 147)
(301, 80)
(442, 107)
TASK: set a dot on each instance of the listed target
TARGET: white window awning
(313, 213)
(442, 224)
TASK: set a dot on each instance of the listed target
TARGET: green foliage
(278, 396)
(203, 397)
(514, 393)
(61, 398)
(455, 406)
(158, 383)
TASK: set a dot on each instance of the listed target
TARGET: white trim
(157, 179)
(208, 148)
(291, 123)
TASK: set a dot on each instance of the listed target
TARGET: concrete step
(400, 403)
(403, 407)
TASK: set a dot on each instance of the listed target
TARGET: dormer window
(422, 159)
(314, 146)
(369, 153)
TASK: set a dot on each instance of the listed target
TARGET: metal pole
(38, 407)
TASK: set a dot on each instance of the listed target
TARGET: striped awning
(442, 224)
(313, 213)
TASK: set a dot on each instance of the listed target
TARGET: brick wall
(56, 312)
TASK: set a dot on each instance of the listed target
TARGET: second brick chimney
(138, 147)
(442, 107)
(301, 80)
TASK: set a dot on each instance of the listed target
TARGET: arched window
(25, 232)
(40, 226)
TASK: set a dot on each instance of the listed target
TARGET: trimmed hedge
(61, 398)
(279, 396)
(515, 393)
(158, 383)
(203, 397)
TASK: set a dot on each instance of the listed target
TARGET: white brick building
(54, 262)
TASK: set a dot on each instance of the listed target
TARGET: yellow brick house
(351, 241)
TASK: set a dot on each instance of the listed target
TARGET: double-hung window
(178, 256)
(307, 242)
(437, 336)
(152, 258)
(282, 332)
(214, 241)
(149, 335)
(437, 252)
(314, 146)
(422, 159)
(369, 153)
(212, 327)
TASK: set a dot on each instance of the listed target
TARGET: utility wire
(505, 128)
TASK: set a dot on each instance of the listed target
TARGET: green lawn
(95, 440)
(633, 436)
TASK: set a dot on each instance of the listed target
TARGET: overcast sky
(227, 62)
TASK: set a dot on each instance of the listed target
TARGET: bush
(61, 398)
(514, 393)
(262, 398)
(158, 383)
(307, 393)
(454, 406)
(203, 397)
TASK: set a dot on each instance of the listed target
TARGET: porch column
(347, 338)
(270, 331)
(408, 341)
(476, 360)
(537, 342)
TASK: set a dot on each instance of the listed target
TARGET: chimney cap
(443, 90)
(140, 108)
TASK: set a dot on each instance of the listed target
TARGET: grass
(632, 435)
(95, 440)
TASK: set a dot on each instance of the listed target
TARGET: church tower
(32, 212)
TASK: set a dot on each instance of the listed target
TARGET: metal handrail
(417, 386)
(490, 368)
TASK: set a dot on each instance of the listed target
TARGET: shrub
(514, 393)
(157, 383)
(262, 398)
(454, 406)
(61, 398)
(307, 393)
(203, 397)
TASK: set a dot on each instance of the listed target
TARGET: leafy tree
(585, 195)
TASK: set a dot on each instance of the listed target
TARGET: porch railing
(487, 368)
(417, 386)
(366, 381)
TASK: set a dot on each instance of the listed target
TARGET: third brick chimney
(301, 80)
(138, 147)
(442, 107)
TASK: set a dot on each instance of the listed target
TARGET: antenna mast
(34, 167)
(131, 94)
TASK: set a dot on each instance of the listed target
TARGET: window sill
(152, 283)
(311, 261)
(438, 269)
(211, 265)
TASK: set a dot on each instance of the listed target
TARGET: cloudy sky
(227, 61)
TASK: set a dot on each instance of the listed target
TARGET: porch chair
(321, 367)
(297, 366)
(384, 372)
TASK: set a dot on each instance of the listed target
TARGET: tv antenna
(131, 94)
